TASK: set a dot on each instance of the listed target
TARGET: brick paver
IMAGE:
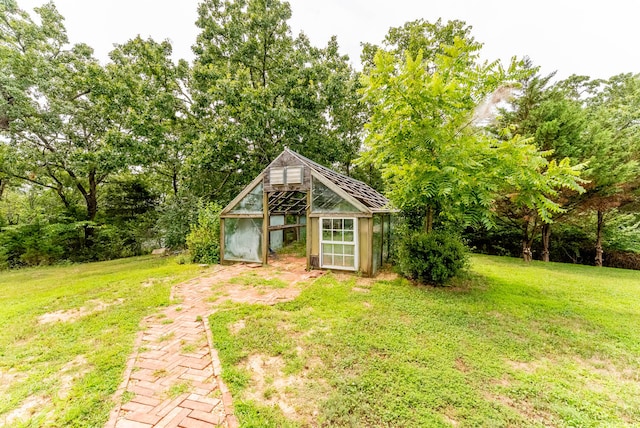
(172, 381)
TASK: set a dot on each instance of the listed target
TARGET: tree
(257, 89)
(61, 121)
(152, 96)
(555, 124)
(433, 157)
(613, 109)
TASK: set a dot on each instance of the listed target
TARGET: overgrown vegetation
(204, 239)
(511, 345)
(68, 331)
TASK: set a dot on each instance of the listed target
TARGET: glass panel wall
(276, 237)
(250, 204)
(386, 232)
(243, 239)
(325, 200)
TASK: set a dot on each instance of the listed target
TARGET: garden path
(173, 378)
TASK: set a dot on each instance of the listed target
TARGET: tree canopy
(106, 159)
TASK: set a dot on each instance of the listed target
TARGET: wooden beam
(265, 228)
(309, 233)
(221, 240)
(286, 226)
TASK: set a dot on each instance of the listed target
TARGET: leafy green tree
(610, 147)
(423, 136)
(556, 125)
(61, 121)
(257, 89)
(153, 98)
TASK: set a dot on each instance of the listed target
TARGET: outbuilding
(345, 223)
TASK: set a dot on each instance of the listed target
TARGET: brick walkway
(173, 378)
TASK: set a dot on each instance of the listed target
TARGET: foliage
(84, 358)
(257, 89)
(152, 94)
(556, 125)
(431, 258)
(175, 218)
(510, 345)
(613, 109)
(423, 137)
(204, 239)
(61, 121)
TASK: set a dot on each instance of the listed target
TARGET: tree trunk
(527, 254)
(546, 235)
(599, 258)
(91, 200)
(428, 220)
(3, 185)
(527, 239)
(174, 183)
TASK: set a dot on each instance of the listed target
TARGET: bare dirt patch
(71, 315)
(271, 387)
(71, 371)
(461, 365)
(607, 369)
(525, 366)
(286, 269)
(527, 410)
(237, 326)
(29, 407)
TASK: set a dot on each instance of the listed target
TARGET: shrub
(204, 239)
(431, 258)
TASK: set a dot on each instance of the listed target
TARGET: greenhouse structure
(345, 224)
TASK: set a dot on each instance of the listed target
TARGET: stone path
(173, 377)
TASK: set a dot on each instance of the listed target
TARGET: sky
(594, 38)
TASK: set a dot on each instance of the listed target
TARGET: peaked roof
(358, 190)
(363, 196)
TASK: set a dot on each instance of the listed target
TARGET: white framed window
(339, 243)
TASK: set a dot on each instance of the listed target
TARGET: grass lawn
(67, 332)
(509, 345)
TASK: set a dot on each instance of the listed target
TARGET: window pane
(337, 236)
(326, 223)
(243, 239)
(325, 200)
(349, 249)
(252, 203)
(348, 236)
(338, 249)
(327, 254)
(348, 224)
(349, 261)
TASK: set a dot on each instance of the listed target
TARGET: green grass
(509, 345)
(35, 358)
